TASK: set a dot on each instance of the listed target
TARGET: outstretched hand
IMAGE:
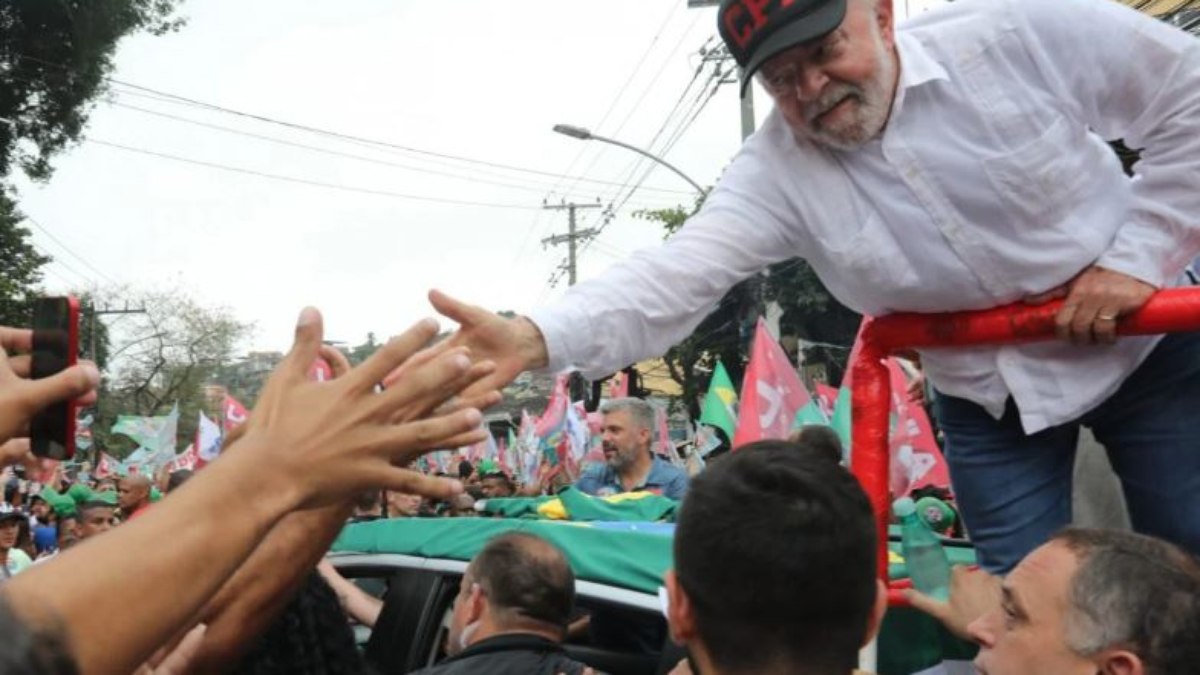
(331, 440)
(973, 593)
(514, 345)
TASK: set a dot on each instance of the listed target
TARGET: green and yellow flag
(720, 403)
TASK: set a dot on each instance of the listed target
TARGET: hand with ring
(1095, 300)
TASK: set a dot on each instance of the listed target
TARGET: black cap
(756, 30)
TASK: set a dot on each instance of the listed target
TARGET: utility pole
(747, 110)
(94, 314)
(95, 318)
(572, 236)
(722, 55)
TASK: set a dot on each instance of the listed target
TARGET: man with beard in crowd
(629, 465)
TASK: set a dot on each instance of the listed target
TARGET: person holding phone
(305, 451)
(21, 396)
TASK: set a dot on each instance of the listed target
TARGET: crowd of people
(782, 522)
(957, 163)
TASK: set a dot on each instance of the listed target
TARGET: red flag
(188, 459)
(771, 392)
(233, 415)
(826, 398)
(106, 467)
(916, 459)
(554, 418)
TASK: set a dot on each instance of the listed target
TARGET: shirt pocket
(1040, 181)
(866, 265)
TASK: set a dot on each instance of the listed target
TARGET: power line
(596, 156)
(326, 151)
(609, 214)
(305, 181)
(689, 117)
(68, 249)
(176, 99)
(603, 119)
(172, 98)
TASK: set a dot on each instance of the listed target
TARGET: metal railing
(1168, 311)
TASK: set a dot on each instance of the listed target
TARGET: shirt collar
(917, 65)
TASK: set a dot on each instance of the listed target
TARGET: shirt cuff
(558, 322)
(1145, 253)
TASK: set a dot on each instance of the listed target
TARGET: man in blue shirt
(629, 465)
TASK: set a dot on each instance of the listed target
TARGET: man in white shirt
(957, 164)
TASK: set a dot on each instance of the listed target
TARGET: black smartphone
(55, 348)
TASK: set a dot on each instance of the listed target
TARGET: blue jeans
(1014, 490)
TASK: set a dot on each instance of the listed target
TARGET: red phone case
(72, 359)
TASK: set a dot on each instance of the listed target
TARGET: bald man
(133, 495)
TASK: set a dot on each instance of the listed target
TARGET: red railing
(1168, 311)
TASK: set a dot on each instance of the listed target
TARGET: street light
(585, 135)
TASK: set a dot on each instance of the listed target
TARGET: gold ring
(1106, 317)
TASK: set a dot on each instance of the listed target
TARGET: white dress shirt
(991, 183)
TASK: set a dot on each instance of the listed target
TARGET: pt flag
(917, 461)
(233, 413)
(720, 403)
(772, 393)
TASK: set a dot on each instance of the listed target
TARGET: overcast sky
(482, 80)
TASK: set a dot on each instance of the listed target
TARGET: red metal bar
(1168, 311)
(870, 412)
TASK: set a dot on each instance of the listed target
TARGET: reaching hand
(515, 345)
(1094, 301)
(21, 397)
(973, 593)
(331, 440)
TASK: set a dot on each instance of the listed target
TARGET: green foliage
(54, 57)
(164, 356)
(20, 273)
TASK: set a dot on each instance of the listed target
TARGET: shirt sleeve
(678, 487)
(642, 306)
(1132, 77)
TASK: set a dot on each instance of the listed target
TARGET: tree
(360, 353)
(165, 356)
(54, 58)
(20, 273)
(810, 314)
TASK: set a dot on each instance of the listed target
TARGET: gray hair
(1134, 592)
(641, 412)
